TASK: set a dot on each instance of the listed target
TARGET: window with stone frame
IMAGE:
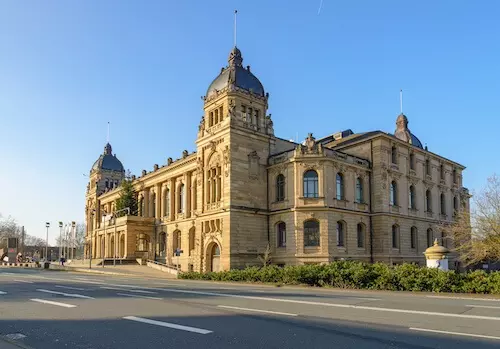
(455, 205)
(430, 237)
(455, 177)
(281, 233)
(428, 200)
(176, 240)
(443, 204)
(280, 187)
(393, 197)
(394, 154)
(427, 167)
(311, 184)
(311, 233)
(395, 236)
(413, 237)
(167, 202)
(359, 190)
(412, 161)
(361, 235)
(214, 184)
(340, 186)
(412, 197)
(181, 198)
(441, 172)
(341, 229)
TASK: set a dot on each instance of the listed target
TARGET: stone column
(159, 201)
(145, 194)
(187, 195)
(172, 199)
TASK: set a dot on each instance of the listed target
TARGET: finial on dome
(235, 58)
(107, 149)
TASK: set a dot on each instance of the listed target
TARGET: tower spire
(235, 13)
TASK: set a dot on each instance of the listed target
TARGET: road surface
(49, 309)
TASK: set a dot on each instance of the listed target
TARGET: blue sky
(69, 67)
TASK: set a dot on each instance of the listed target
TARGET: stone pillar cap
(436, 251)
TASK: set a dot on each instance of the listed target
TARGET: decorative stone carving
(226, 155)
(310, 147)
(185, 153)
(201, 127)
(310, 165)
(169, 161)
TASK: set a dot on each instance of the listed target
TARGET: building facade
(369, 196)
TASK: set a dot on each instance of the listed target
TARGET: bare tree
(476, 235)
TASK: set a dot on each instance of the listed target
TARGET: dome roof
(436, 251)
(235, 74)
(108, 161)
(403, 132)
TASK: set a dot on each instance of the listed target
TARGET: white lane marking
(256, 310)
(137, 296)
(126, 290)
(2, 292)
(74, 295)
(482, 306)
(454, 333)
(70, 288)
(4, 273)
(28, 282)
(65, 305)
(467, 298)
(168, 324)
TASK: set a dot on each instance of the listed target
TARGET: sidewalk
(123, 270)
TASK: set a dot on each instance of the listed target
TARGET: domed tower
(106, 174)
(403, 133)
(235, 137)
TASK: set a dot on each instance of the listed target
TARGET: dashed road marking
(65, 305)
(74, 295)
(482, 306)
(168, 324)
(256, 310)
(138, 296)
(25, 281)
(70, 288)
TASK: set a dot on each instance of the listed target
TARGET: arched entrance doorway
(112, 251)
(214, 258)
(162, 244)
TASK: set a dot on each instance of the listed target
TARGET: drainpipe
(370, 186)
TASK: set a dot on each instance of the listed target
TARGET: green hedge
(358, 275)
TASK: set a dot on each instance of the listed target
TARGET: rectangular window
(211, 119)
(220, 113)
(413, 237)
(257, 121)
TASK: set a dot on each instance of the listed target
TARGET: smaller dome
(403, 132)
(108, 161)
(436, 251)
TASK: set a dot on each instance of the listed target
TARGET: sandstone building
(370, 196)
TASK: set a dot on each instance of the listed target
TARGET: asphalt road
(48, 309)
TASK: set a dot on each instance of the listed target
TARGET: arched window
(340, 186)
(394, 154)
(443, 204)
(361, 235)
(310, 184)
(341, 233)
(412, 161)
(176, 240)
(167, 203)
(428, 200)
(413, 237)
(280, 188)
(427, 167)
(430, 237)
(281, 234)
(181, 198)
(394, 194)
(395, 236)
(192, 235)
(411, 196)
(359, 190)
(311, 233)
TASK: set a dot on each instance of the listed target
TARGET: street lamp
(60, 239)
(73, 225)
(47, 225)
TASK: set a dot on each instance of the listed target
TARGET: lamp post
(60, 239)
(72, 238)
(91, 239)
(47, 225)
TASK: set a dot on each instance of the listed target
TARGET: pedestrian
(62, 260)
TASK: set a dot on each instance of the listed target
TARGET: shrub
(359, 275)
